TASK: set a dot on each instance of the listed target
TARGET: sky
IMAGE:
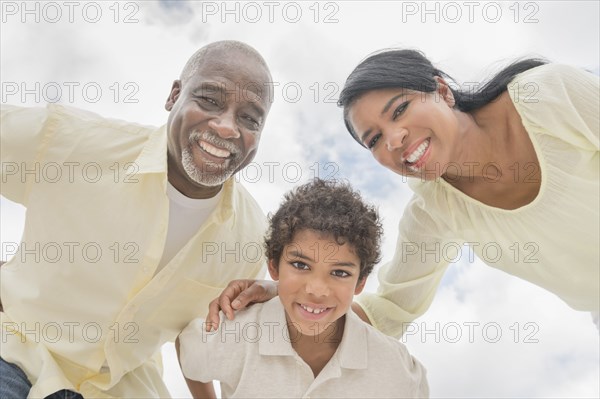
(487, 334)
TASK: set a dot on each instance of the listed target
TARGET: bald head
(217, 111)
(220, 52)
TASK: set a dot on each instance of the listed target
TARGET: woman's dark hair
(334, 209)
(410, 69)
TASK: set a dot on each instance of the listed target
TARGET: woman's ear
(444, 91)
(273, 270)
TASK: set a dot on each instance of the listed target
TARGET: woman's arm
(408, 283)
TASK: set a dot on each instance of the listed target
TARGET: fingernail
(235, 303)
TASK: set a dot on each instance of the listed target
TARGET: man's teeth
(212, 150)
(418, 153)
(311, 310)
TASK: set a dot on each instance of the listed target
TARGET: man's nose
(225, 125)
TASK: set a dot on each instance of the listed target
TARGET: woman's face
(409, 132)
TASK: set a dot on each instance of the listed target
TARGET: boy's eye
(299, 265)
(340, 273)
(371, 143)
(399, 110)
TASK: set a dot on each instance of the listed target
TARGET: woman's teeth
(418, 153)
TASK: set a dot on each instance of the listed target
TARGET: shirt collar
(275, 338)
(153, 157)
(352, 351)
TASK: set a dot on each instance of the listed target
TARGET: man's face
(216, 118)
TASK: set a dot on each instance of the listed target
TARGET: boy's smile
(318, 279)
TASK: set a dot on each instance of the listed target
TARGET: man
(136, 232)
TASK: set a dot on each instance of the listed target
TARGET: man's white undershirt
(186, 215)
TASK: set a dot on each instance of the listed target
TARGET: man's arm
(237, 295)
(22, 135)
(1, 308)
(199, 390)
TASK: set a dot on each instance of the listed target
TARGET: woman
(512, 169)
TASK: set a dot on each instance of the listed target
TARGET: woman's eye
(371, 143)
(340, 273)
(300, 265)
(399, 110)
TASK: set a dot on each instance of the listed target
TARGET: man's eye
(399, 110)
(250, 122)
(371, 143)
(300, 265)
(208, 100)
(340, 273)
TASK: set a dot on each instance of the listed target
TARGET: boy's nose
(317, 287)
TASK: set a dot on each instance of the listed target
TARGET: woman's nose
(395, 139)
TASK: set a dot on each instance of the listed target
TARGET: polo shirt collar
(275, 338)
(352, 352)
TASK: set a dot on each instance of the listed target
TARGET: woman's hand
(237, 295)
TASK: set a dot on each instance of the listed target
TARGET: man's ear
(444, 91)
(273, 270)
(360, 286)
(173, 95)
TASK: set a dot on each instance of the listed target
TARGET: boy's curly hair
(330, 207)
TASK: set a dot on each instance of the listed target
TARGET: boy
(322, 243)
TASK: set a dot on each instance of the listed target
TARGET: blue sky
(134, 50)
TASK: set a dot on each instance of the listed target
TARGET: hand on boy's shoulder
(237, 295)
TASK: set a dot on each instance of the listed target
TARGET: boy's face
(317, 280)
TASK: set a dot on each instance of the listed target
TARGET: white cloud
(148, 54)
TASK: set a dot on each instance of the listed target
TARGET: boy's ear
(273, 271)
(360, 285)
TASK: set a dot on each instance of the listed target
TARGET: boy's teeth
(311, 310)
(418, 153)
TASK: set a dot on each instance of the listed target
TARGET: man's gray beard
(213, 176)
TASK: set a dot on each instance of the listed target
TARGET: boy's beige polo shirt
(253, 357)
